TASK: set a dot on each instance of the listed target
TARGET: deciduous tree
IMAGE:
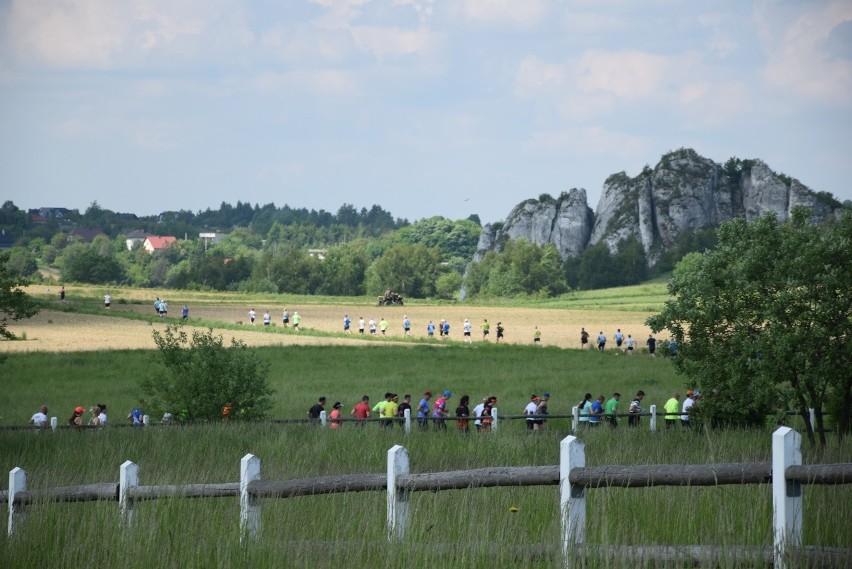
(766, 317)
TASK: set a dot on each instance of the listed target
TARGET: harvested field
(63, 331)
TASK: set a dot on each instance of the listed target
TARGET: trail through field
(65, 331)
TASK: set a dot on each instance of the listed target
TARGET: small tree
(200, 377)
(15, 304)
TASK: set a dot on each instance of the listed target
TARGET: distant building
(158, 242)
(318, 253)
(85, 235)
(133, 237)
(212, 238)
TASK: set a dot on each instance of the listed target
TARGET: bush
(200, 377)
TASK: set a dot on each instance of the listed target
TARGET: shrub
(200, 377)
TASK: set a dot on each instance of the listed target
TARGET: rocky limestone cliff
(565, 222)
(683, 192)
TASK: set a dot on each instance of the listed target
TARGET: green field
(472, 528)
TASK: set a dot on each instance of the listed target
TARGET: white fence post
(494, 419)
(407, 415)
(572, 499)
(786, 496)
(54, 423)
(249, 505)
(575, 422)
(17, 483)
(146, 419)
(128, 477)
(398, 499)
(322, 418)
(653, 418)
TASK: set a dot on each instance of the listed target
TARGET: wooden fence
(786, 474)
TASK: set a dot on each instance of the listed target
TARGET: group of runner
(623, 345)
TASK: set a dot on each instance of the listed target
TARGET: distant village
(150, 243)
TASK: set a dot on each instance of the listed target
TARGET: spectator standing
(40, 419)
(596, 411)
(99, 415)
(446, 328)
(137, 414)
(585, 408)
(76, 418)
(541, 410)
(529, 411)
(672, 408)
(403, 407)
(439, 410)
(463, 414)
(317, 408)
(62, 294)
(687, 405)
(423, 410)
(361, 411)
(378, 408)
(635, 410)
(336, 414)
(389, 411)
(611, 410)
(477, 413)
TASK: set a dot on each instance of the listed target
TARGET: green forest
(298, 251)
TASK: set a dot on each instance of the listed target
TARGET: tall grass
(474, 528)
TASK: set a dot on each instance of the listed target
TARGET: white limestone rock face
(683, 192)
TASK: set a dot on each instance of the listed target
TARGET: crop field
(78, 355)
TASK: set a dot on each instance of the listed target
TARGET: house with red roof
(158, 242)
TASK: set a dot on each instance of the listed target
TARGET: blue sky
(424, 107)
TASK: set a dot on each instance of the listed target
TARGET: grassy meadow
(473, 528)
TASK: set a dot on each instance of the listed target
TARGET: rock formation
(684, 192)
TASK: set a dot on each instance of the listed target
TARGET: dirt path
(63, 332)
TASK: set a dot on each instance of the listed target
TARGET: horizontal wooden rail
(105, 491)
(589, 477)
(672, 475)
(225, 490)
(317, 486)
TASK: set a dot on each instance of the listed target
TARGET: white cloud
(628, 75)
(588, 141)
(385, 42)
(514, 13)
(318, 81)
(105, 34)
(798, 57)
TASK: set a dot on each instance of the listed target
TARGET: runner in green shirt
(611, 410)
